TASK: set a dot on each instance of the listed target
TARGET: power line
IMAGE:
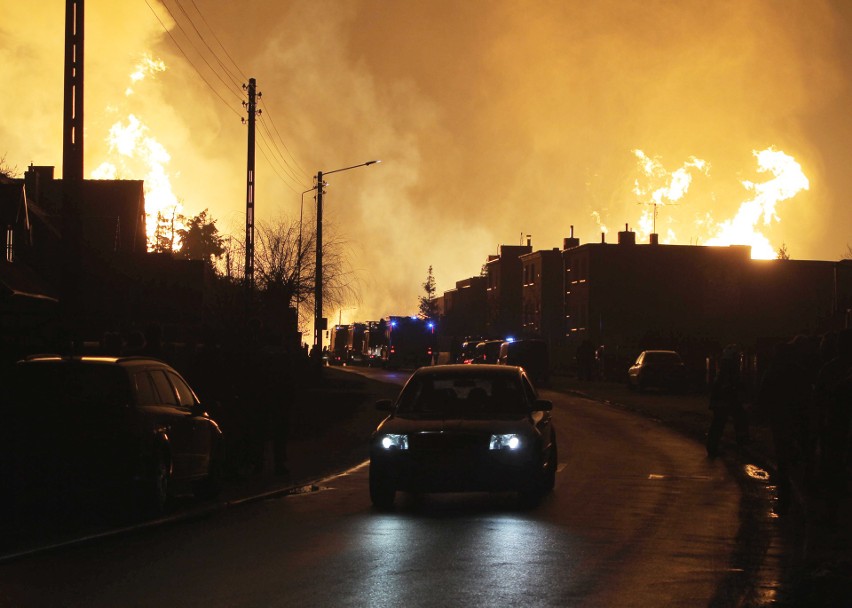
(200, 54)
(283, 161)
(272, 122)
(219, 42)
(275, 157)
(197, 71)
(234, 80)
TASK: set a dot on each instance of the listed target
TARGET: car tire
(382, 493)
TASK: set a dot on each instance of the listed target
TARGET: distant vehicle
(661, 369)
(410, 342)
(487, 351)
(468, 351)
(464, 428)
(337, 347)
(531, 354)
(374, 343)
(355, 344)
(106, 427)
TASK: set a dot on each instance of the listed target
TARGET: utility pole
(72, 134)
(251, 105)
(319, 322)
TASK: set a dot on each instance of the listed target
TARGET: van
(531, 354)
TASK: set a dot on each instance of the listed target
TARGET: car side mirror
(197, 409)
(542, 405)
(384, 405)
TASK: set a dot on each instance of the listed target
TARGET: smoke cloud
(493, 119)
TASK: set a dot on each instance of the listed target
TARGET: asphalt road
(639, 517)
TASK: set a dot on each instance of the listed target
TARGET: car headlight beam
(391, 441)
(508, 441)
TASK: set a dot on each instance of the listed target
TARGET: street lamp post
(319, 322)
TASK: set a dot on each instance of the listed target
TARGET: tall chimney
(72, 126)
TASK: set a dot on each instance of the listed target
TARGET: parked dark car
(531, 354)
(661, 369)
(464, 428)
(103, 428)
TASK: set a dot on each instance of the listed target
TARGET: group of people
(805, 397)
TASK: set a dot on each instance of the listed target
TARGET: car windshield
(463, 396)
(61, 386)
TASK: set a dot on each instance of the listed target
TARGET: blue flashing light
(510, 339)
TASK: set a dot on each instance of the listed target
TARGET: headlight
(399, 442)
(504, 442)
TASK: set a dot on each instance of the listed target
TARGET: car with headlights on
(661, 369)
(101, 428)
(464, 428)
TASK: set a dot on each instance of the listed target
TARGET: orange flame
(135, 154)
(788, 181)
(663, 188)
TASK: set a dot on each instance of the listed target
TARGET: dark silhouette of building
(503, 291)
(464, 307)
(542, 302)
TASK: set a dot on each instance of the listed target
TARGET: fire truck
(410, 342)
(337, 345)
(355, 344)
(374, 343)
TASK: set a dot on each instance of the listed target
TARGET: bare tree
(285, 265)
(6, 170)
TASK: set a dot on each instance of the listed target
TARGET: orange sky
(493, 119)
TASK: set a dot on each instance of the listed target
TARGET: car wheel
(382, 493)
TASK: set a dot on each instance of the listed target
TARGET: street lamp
(319, 324)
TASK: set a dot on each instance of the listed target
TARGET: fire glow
(742, 229)
(134, 153)
(669, 188)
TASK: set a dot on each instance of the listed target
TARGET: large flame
(662, 188)
(136, 154)
(742, 229)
